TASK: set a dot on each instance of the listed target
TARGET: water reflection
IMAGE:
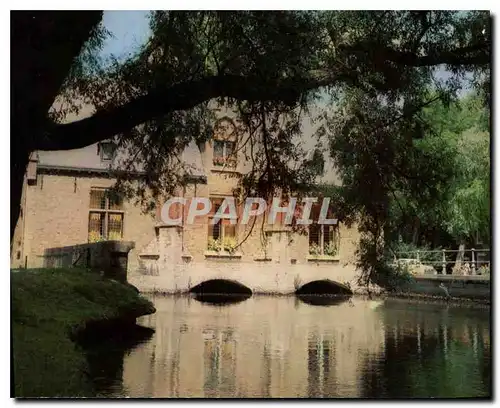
(219, 363)
(105, 356)
(220, 299)
(320, 300)
(282, 347)
(430, 351)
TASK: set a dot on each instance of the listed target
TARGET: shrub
(409, 250)
(484, 270)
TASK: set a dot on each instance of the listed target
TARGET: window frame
(226, 159)
(105, 212)
(222, 223)
(333, 229)
(102, 150)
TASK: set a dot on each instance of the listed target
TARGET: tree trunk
(19, 159)
(416, 225)
(43, 49)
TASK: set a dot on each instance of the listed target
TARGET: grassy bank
(49, 308)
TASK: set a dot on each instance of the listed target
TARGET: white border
(126, 5)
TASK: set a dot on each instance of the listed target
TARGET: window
(106, 150)
(323, 239)
(105, 216)
(224, 153)
(222, 235)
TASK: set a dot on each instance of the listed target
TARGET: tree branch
(477, 54)
(186, 95)
(182, 96)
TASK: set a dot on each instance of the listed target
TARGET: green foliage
(332, 248)
(483, 270)
(373, 73)
(214, 245)
(230, 245)
(453, 145)
(314, 249)
(88, 67)
(469, 207)
(378, 268)
(335, 53)
(434, 182)
(426, 254)
(48, 306)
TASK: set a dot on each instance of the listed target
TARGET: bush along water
(51, 310)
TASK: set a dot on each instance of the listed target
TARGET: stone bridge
(259, 277)
(166, 269)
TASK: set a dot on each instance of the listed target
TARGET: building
(65, 203)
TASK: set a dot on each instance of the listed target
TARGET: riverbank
(52, 310)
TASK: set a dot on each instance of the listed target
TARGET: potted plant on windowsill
(230, 245)
(229, 162)
(115, 236)
(331, 249)
(95, 237)
(214, 245)
(314, 250)
(219, 161)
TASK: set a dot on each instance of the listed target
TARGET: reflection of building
(320, 366)
(219, 364)
(273, 347)
(265, 347)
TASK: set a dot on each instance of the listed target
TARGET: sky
(129, 30)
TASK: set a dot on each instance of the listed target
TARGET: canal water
(282, 347)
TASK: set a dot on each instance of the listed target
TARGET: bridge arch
(324, 287)
(221, 286)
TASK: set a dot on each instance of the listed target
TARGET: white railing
(469, 265)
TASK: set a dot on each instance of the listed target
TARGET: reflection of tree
(220, 364)
(105, 359)
(444, 358)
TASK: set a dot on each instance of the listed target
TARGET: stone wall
(56, 214)
(173, 270)
(109, 257)
(260, 277)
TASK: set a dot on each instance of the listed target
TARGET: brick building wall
(55, 213)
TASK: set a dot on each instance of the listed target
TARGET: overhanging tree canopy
(268, 67)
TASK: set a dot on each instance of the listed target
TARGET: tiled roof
(88, 158)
